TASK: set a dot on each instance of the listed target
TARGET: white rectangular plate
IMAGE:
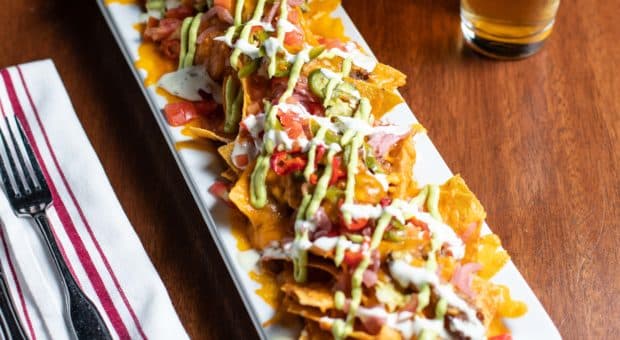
(200, 169)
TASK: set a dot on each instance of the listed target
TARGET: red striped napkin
(100, 245)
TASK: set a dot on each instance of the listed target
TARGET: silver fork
(30, 196)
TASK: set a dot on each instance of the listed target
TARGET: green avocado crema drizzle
(340, 248)
(339, 299)
(432, 204)
(271, 70)
(258, 190)
(300, 260)
(321, 186)
(230, 32)
(424, 297)
(156, 5)
(247, 29)
(189, 34)
(320, 136)
(308, 208)
(363, 112)
(184, 31)
(333, 82)
(193, 35)
(441, 309)
(233, 102)
(427, 335)
(341, 328)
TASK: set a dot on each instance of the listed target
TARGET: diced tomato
(293, 38)
(219, 189)
(180, 113)
(180, 12)
(183, 112)
(283, 164)
(352, 259)
(355, 224)
(292, 123)
(241, 160)
(385, 201)
(228, 4)
(501, 337)
(313, 179)
(337, 170)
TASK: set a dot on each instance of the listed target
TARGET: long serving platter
(200, 169)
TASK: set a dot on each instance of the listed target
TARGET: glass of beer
(507, 29)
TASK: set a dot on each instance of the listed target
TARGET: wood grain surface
(536, 139)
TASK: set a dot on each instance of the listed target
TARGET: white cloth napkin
(100, 245)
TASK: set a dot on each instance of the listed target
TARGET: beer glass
(507, 29)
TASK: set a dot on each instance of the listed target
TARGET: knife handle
(9, 320)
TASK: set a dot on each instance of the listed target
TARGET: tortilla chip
(204, 133)
(255, 89)
(402, 158)
(324, 266)
(317, 295)
(284, 189)
(459, 207)
(387, 77)
(230, 175)
(320, 21)
(382, 100)
(307, 31)
(319, 328)
(497, 327)
(307, 312)
(494, 301)
(226, 151)
(268, 224)
(490, 255)
(413, 245)
(312, 331)
(332, 64)
(212, 129)
(248, 9)
(268, 290)
(388, 333)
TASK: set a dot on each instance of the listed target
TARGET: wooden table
(536, 139)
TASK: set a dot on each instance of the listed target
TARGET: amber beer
(507, 28)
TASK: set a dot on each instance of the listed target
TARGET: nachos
(358, 249)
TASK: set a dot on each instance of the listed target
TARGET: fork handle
(11, 327)
(86, 321)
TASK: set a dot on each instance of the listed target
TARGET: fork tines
(21, 173)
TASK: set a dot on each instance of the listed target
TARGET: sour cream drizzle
(407, 275)
(352, 52)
